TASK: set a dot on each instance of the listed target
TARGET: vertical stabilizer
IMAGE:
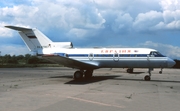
(33, 38)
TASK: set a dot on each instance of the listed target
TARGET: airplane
(86, 60)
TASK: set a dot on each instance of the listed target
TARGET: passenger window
(90, 55)
(66, 55)
(115, 55)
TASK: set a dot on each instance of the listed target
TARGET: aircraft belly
(125, 62)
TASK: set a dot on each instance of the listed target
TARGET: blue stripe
(78, 55)
(107, 55)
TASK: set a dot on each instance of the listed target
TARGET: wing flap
(68, 62)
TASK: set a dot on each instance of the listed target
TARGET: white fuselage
(114, 57)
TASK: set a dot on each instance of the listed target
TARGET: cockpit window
(156, 54)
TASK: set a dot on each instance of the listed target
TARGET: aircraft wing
(68, 62)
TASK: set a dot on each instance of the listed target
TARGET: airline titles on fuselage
(117, 51)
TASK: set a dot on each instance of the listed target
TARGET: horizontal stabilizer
(18, 28)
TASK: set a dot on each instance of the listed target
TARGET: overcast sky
(89, 23)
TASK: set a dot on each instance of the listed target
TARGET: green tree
(20, 57)
(33, 60)
(10, 59)
(27, 56)
(6, 58)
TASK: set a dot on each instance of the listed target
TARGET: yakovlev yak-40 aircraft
(88, 59)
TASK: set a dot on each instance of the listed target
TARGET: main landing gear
(79, 74)
(129, 70)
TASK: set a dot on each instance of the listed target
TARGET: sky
(94, 23)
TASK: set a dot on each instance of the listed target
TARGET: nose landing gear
(160, 72)
(148, 77)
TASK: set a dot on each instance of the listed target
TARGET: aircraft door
(91, 56)
(150, 58)
(116, 57)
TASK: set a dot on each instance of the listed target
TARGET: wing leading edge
(68, 62)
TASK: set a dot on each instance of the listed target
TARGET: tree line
(22, 59)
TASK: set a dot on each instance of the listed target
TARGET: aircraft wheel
(147, 78)
(130, 70)
(88, 74)
(78, 75)
(160, 72)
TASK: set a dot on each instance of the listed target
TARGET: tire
(147, 78)
(78, 75)
(130, 70)
(88, 74)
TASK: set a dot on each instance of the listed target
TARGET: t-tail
(35, 40)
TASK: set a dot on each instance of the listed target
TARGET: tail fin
(35, 40)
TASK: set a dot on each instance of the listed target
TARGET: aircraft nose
(171, 62)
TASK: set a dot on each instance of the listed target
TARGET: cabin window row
(120, 55)
(108, 55)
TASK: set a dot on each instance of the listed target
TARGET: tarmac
(53, 89)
